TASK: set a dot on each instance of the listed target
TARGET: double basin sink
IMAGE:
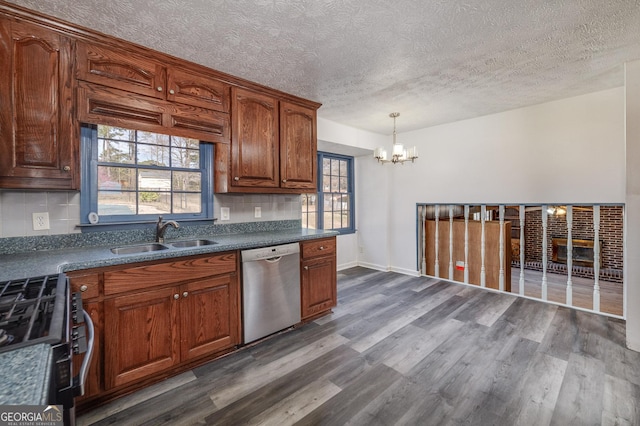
(145, 248)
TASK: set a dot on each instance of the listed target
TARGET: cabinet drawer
(88, 285)
(147, 276)
(323, 247)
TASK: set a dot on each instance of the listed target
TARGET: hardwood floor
(410, 351)
(611, 293)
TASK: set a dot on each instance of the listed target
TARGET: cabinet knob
(67, 168)
(185, 294)
(159, 88)
(83, 287)
(284, 181)
(306, 268)
(321, 247)
(176, 296)
(171, 91)
(236, 178)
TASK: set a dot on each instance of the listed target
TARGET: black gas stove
(31, 312)
(43, 310)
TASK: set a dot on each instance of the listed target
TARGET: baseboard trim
(347, 265)
(373, 266)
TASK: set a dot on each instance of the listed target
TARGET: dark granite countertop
(45, 262)
(24, 372)
(24, 375)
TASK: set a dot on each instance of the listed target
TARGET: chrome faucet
(161, 228)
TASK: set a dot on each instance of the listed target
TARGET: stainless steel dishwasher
(271, 290)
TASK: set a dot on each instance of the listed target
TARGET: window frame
(350, 191)
(89, 184)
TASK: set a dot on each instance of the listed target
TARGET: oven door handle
(84, 368)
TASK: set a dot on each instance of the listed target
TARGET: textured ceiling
(435, 61)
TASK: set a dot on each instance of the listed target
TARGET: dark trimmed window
(132, 175)
(333, 206)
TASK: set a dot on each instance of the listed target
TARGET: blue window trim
(351, 192)
(89, 183)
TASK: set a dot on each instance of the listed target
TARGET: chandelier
(398, 153)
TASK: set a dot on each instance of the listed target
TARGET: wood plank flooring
(402, 350)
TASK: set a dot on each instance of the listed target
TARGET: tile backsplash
(17, 208)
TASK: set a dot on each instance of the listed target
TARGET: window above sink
(133, 175)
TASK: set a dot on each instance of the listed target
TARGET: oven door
(64, 388)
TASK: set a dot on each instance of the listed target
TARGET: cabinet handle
(176, 296)
(172, 92)
(236, 178)
(83, 287)
(159, 89)
(185, 294)
(306, 268)
(67, 168)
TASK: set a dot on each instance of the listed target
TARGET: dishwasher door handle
(273, 259)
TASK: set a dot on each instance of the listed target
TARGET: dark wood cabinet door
(120, 69)
(298, 142)
(318, 280)
(203, 91)
(254, 140)
(38, 138)
(140, 336)
(209, 315)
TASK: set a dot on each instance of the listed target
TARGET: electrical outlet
(40, 221)
(224, 213)
(257, 212)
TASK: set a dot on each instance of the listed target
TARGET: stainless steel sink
(192, 243)
(141, 248)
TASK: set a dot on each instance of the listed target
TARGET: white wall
(567, 151)
(632, 210)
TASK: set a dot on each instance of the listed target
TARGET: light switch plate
(257, 212)
(224, 213)
(40, 221)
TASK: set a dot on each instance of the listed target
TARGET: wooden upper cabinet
(298, 146)
(38, 137)
(175, 100)
(123, 70)
(198, 90)
(120, 69)
(255, 140)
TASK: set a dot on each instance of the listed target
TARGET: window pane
(187, 181)
(326, 183)
(154, 180)
(344, 184)
(153, 155)
(312, 220)
(153, 138)
(154, 202)
(335, 184)
(335, 167)
(185, 142)
(116, 152)
(116, 178)
(343, 168)
(109, 132)
(185, 158)
(186, 203)
(328, 220)
(326, 166)
(116, 203)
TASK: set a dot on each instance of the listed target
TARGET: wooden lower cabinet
(140, 336)
(318, 277)
(209, 315)
(146, 331)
